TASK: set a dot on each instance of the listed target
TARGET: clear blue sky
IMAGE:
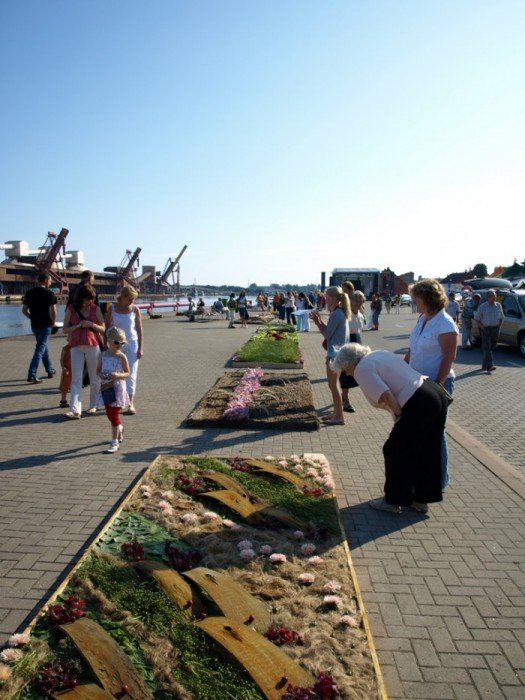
(276, 138)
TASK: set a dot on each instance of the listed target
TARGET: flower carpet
(254, 398)
(188, 594)
(271, 347)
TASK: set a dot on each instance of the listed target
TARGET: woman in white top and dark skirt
(418, 407)
(433, 344)
(125, 315)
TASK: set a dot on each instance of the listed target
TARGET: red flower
(72, 610)
(283, 635)
(133, 551)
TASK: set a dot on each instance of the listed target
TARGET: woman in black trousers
(418, 406)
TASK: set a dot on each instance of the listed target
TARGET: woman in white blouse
(433, 344)
(418, 407)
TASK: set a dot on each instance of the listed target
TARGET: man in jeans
(489, 317)
(40, 308)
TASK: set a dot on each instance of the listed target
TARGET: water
(13, 322)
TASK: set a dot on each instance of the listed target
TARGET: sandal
(131, 411)
(64, 404)
(72, 416)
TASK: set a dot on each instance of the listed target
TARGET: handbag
(108, 393)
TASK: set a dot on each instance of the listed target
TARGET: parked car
(513, 327)
(405, 300)
(487, 283)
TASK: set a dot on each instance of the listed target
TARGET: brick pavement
(445, 593)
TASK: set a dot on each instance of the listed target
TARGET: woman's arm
(108, 316)
(67, 327)
(99, 326)
(448, 343)
(388, 401)
(138, 326)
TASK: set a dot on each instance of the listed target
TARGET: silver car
(513, 327)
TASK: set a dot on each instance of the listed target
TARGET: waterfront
(14, 323)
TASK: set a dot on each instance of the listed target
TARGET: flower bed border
(127, 497)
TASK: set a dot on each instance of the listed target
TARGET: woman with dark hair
(418, 407)
(83, 323)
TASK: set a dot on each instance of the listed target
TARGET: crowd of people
(103, 351)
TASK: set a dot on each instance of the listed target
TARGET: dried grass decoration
(255, 610)
(255, 399)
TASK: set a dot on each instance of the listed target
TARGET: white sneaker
(381, 504)
(113, 447)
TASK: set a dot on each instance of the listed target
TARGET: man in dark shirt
(86, 277)
(40, 308)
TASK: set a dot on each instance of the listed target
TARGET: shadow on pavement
(39, 460)
(363, 524)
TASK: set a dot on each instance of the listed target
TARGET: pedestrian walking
(83, 323)
(467, 314)
(40, 307)
(489, 316)
(113, 370)
(126, 316)
(232, 308)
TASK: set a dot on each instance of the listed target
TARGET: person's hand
(140, 354)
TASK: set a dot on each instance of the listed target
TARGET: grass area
(271, 345)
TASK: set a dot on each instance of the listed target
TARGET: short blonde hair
(128, 292)
(114, 333)
(431, 293)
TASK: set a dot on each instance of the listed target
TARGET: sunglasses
(118, 342)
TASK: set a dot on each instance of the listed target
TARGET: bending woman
(336, 333)
(418, 407)
(125, 315)
(83, 323)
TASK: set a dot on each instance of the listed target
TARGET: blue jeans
(41, 353)
(445, 476)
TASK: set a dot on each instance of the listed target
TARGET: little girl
(113, 368)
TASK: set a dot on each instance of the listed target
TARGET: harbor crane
(172, 267)
(126, 270)
(50, 260)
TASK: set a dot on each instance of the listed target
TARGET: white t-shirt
(381, 371)
(356, 322)
(425, 350)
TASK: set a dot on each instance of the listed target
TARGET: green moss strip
(202, 668)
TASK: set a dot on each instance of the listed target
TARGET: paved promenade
(445, 592)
